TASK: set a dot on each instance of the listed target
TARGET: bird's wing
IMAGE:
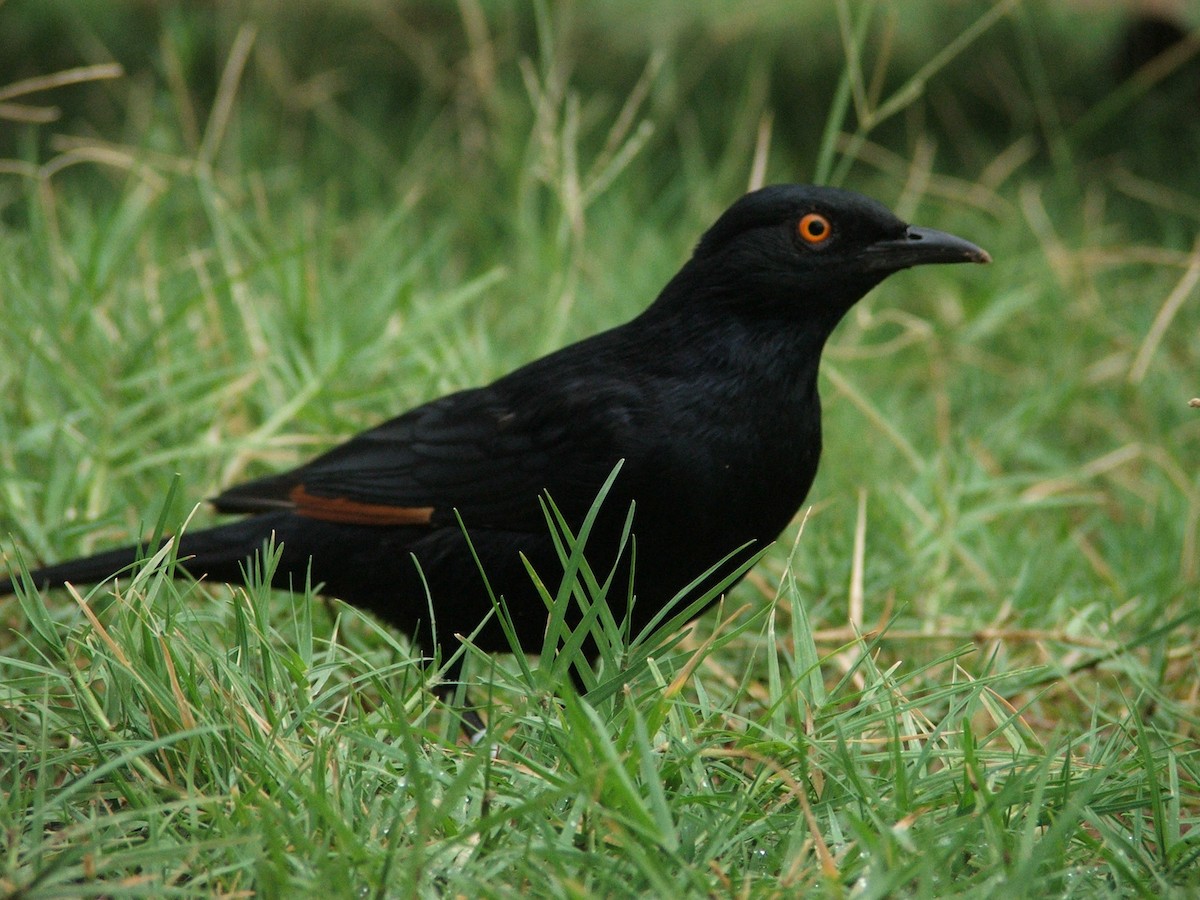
(481, 452)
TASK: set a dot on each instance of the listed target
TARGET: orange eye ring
(814, 229)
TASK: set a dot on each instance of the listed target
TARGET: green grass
(970, 671)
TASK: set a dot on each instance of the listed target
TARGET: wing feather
(477, 451)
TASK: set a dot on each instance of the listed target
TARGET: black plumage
(708, 399)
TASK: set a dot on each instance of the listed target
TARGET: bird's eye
(814, 229)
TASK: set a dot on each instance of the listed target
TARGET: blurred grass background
(268, 226)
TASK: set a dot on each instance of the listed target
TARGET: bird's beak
(921, 247)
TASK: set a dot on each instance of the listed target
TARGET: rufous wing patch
(353, 512)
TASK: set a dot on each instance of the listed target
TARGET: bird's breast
(734, 467)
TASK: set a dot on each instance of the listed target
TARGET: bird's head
(814, 249)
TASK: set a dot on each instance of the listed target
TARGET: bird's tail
(218, 553)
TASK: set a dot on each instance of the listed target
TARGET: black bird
(709, 397)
